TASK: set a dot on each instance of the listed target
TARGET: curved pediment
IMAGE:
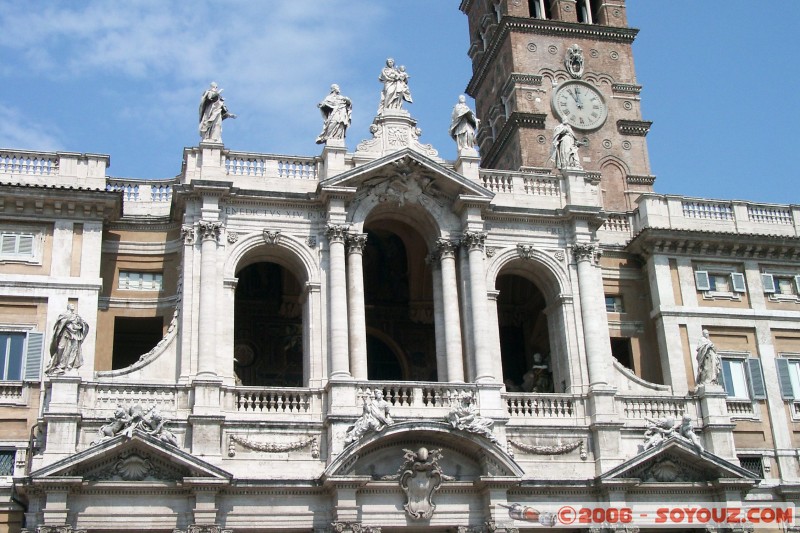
(464, 457)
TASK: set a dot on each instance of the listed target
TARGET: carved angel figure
(464, 417)
(658, 431)
(375, 416)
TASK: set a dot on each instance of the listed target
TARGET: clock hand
(578, 99)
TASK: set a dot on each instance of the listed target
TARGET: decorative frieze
(197, 528)
(556, 449)
(273, 447)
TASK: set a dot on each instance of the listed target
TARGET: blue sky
(124, 78)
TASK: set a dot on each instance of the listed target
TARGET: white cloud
(17, 131)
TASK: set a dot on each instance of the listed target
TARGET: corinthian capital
(336, 232)
(209, 230)
(188, 234)
(444, 248)
(473, 240)
(585, 252)
(356, 242)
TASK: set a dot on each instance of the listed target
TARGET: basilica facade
(384, 340)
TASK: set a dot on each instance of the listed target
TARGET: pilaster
(333, 158)
(212, 161)
(717, 426)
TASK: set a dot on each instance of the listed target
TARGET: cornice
(640, 180)
(517, 120)
(626, 88)
(636, 128)
(715, 244)
(568, 30)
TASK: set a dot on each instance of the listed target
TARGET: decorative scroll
(557, 449)
(270, 447)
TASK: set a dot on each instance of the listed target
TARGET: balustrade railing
(766, 214)
(527, 405)
(275, 400)
(652, 407)
(541, 185)
(11, 392)
(108, 396)
(708, 210)
(416, 394)
(740, 408)
(617, 222)
(271, 166)
(31, 163)
(504, 182)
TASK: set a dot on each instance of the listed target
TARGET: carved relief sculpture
(464, 417)
(212, 112)
(659, 431)
(375, 416)
(69, 332)
(126, 420)
(336, 112)
(420, 476)
(573, 61)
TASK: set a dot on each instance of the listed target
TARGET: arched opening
(268, 327)
(524, 336)
(398, 289)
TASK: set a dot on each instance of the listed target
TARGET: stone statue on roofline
(336, 112)
(463, 125)
(395, 87)
(212, 112)
(69, 332)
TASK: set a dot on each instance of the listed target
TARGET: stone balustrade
(740, 408)
(731, 216)
(12, 393)
(417, 394)
(275, 400)
(271, 166)
(143, 197)
(543, 406)
(640, 407)
(539, 190)
(53, 168)
(106, 396)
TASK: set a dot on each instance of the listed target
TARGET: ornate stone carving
(473, 240)
(525, 251)
(197, 528)
(573, 61)
(55, 529)
(126, 420)
(271, 237)
(420, 476)
(556, 449)
(336, 111)
(232, 237)
(463, 125)
(565, 147)
(375, 416)
(464, 417)
(709, 364)
(405, 187)
(209, 230)
(188, 234)
(659, 431)
(212, 112)
(311, 242)
(69, 332)
(585, 252)
(336, 232)
(395, 87)
(353, 527)
(444, 248)
(270, 447)
(356, 243)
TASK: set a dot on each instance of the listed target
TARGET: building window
(781, 286)
(720, 284)
(614, 304)
(789, 376)
(622, 352)
(539, 9)
(7, 462)
(753, 464)
(20, 355)
(742, 378)
(133, 337)
(20, 246)
(140, 281)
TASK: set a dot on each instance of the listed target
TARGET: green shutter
(33, 356)
(758, 391)
(784, 379)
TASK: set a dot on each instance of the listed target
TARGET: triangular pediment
(409, 174)
(138, 458)
(677, 461)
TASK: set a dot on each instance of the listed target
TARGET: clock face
(580, 104)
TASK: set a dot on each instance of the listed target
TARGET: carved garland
(277, 448)
(558, 449)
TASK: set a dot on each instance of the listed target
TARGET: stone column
(474, 243)
(446, 253)
(595, 339)
(438, 317)
(355, 305)
(209, 233)
(337, 302)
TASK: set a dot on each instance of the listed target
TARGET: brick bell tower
(538, 62)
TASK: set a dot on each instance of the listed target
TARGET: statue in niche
(69, 332)
(463, 124)
(538, 378)
(709, 364)
(659, 431)
(336, 112)
(395, 87)
(565, 147)
(212, 112)
(375, 416)
(464, 417)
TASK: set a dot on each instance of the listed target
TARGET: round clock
(580, 104)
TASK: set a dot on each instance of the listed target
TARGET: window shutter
(33, 356)
(701, 280)
(768, 282)
(9, 245)
(25, 245)
(758, 390)
(737, 280)
(725, 377)
(784, 379)
(797, 283)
